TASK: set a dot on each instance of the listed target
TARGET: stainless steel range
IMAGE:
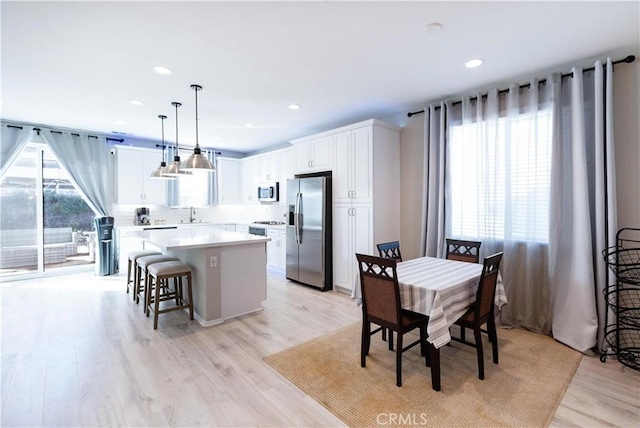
(261, 231)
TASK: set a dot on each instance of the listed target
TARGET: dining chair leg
(478, 337)
(364, 348)
(390, 340)
(398, 359)
(384, 333)
(462, 330)
(493, 337)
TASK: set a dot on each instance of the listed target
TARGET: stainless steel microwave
(268, 192)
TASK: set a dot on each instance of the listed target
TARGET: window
(193, 189)
(499, 173)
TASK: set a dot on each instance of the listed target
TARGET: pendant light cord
(196, 91)
(196, 88)
(162, 117)
(177, 155)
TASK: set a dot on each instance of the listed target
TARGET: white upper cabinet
(269, 168)
(250, 171)
(134, 166)
(228, 181)
(265, 168)
(312, 155)
(353, 166)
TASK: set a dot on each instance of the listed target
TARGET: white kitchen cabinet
(134, 166)
(353, 233)
(228, 227)
(242, 228)
(269, 166)
(265, 168)
(353, 167)
(311, 155)
(276, 248)
(228, 181)
(366, 193)
(250, 179)
(285, 174)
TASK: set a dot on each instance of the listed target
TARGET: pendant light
(162, 169)
(175, 169)
(197, 161)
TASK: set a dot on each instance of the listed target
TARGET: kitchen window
(193, 189)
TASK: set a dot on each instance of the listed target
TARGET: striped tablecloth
(442, 289)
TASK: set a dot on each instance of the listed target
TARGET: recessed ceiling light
(294, 106)
(477, 62)
(433, 28)
(136, 103)
(248, 125)
(161, 70)
(119, 122)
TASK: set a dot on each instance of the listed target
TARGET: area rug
(523, 390)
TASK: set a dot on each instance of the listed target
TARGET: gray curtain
(173, 189)
(555, 288)
(581, 226)
(433, 194)
(89, 164)
(499, 194)
(212, 194)
(12, 140)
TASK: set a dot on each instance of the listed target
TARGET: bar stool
(142, 267)
(158, 290)
(131, 261)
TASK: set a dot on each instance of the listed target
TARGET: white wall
(626, 84)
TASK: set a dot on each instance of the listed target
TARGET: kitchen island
(229, 268)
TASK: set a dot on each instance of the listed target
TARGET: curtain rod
(121, 140)
(629, 59)
(188, 149)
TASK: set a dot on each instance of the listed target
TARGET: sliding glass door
(45, 225)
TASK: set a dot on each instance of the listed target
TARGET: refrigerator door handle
(296, 217)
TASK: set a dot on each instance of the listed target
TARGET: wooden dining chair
(482, 311)
(463, 251)
(381, 305)
(390, 250)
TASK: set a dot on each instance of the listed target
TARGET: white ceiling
(78, 64)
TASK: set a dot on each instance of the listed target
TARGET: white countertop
(129, 228)
(194, 237)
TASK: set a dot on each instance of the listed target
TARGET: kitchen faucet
(192, 212)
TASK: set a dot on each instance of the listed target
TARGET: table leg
(435, 367)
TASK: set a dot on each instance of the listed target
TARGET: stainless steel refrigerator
(309, 243)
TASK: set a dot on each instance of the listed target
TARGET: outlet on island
(214, 261)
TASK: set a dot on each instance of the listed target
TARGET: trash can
(105, 246)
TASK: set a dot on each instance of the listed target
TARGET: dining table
(441, 289)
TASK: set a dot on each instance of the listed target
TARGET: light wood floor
(76, 351)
